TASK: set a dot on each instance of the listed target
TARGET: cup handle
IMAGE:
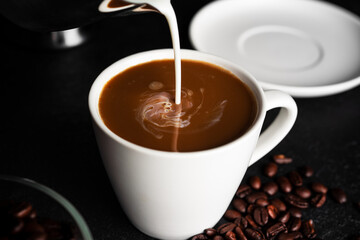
(280, 127)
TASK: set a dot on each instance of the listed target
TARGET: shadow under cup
(174, 195)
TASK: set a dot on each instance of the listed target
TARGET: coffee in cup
(216, 106)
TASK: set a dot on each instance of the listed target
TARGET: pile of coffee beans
(273, 210)
(19, 221)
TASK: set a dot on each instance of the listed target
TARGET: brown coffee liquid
(117, 3)
(121, 3)
(216, 107)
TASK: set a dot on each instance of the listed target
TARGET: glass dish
(30, 204)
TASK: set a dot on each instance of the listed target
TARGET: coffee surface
(216, 107)
(117, 3)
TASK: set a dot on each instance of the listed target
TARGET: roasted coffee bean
(33, 214)
(226, 227)
(339, 195)
(261, 202)
(199, 237)
(49, 224)
(284, 217)
(270, 169)
(55, 230)
(10, 224)
(231, 214)
(218, 237)
(273, 212)
(21, 209)
(296, 201)
(250, 208)
(295, 212)
(275, 229)
(33, 230)
(251, 222)
(254, 234)
(243, 191)
(294, 224)
(281, 159)
(240, 234)
(290, 236)
(295, 178)
(239, 204)
(306, 171)
(255, 182)
(210, 232)
(241, 222)
(17, 226)
(252, 197)
(284, 184)
(261, 216)
(303, 192)
(280, 205)
(270, 188)
(230, 236)
(319, 187)
(307, 229)
(318, 200)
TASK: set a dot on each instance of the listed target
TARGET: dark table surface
(46, 132)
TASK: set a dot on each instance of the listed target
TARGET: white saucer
(307, 48)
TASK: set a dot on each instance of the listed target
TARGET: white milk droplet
(156, 85)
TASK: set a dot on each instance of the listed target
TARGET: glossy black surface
(46, 132)
(43, 15)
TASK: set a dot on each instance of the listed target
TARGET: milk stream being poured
(157, 110)
(164, 6)
(166, 9)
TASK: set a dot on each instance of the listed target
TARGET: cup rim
(158, 54)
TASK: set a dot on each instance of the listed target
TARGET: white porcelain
(306, 48)
(172, 195)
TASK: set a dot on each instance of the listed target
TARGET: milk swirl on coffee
(157, 110)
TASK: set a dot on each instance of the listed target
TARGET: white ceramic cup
(174, 195)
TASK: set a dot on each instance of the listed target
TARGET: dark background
(46, 132)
